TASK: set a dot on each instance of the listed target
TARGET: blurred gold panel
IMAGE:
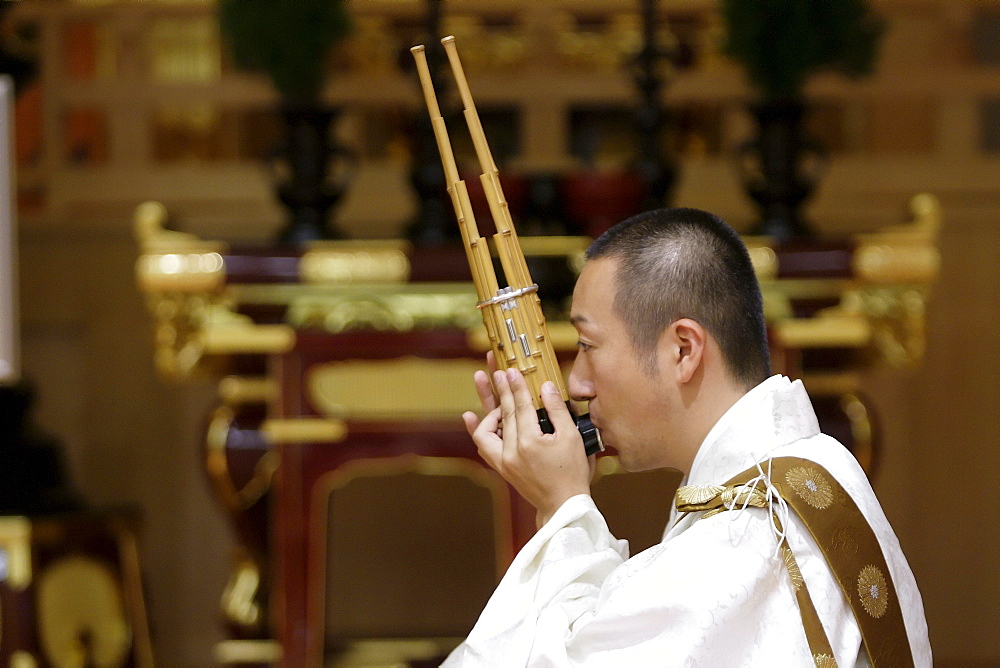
(406, 388)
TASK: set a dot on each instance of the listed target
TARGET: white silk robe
(713, 593)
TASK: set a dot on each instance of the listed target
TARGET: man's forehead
(593, 296)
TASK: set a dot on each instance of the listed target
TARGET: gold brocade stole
(846, 540)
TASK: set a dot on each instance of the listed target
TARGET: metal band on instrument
(507, 294)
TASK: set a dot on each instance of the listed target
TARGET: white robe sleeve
(714, 595)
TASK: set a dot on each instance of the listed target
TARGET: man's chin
(626, 462)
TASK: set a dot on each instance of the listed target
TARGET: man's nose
(580, 387)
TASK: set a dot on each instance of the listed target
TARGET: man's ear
(687, 341)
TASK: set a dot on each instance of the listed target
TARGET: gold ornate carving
(341, 262)
(15, 546)
(239, 603)
(830, 329)
(698, 494)
(882, 307)
(217, 465)
(22, 659)
(794, 573)
(237, 390)
(811, 485)
(880, 263)
(716, 499)
(764, 260)
(190, 326)
(406, 388)
(184, 278)
(824, 661)
(386, 308)
(844, 540)
(174, 261)
(79, 597)
(896, 314)
(248, 651)
(873, 591)
(304, 430)
(232, 333)
(181, 272)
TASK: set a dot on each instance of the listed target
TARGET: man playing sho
(673, 360)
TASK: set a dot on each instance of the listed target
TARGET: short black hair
(687, 263)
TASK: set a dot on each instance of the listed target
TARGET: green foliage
(783, 42)
(287, 39)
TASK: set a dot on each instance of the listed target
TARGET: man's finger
(471, 421)
(485, 391)
(508, 412)
(558, 412)
(487, 441)
(527, 415)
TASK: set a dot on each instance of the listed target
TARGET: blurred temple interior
(237, 326)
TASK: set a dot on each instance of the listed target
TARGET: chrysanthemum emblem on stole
(811, 485)
(873, 591)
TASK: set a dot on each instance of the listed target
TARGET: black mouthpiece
(591, 436)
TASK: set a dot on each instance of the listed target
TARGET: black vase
(781, 168)
(317, 173)
(34, 478)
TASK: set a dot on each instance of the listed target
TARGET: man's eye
(583, 346)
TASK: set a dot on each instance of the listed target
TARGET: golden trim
(15, 540)
(22, 659)
(554, 246)
(827, 330)
(304, 430)
(763, 258)
(238, 601)
(897, 317)
(217, 465)
(404, 388)
(832, 384)
(181, 272)
(881, 263)
(873, 591)
(824, 661)
(400, 308)
(697, 495)
(149, 226)
(811, 485)
(236, 337)
(794, 572)
(341, 262)
(248, 651)
(834, 530)
(191, 326)
(238, 390)
(81, 596)
(503, 531)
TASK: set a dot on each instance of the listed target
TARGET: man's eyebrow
(578, 319)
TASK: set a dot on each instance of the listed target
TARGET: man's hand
(546, 469)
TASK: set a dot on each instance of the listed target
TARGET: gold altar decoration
(365, 285)
(881, 307)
